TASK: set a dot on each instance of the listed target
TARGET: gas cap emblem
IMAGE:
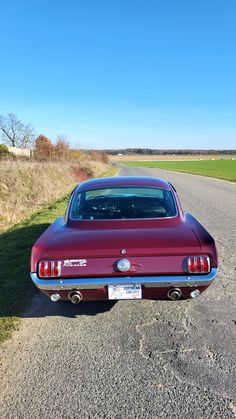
(123, 251)
(123, 265)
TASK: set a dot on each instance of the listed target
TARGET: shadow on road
(42, 306)
(18, 295)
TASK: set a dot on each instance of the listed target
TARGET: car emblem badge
(123, 251)
(75, 262)
(123, 265)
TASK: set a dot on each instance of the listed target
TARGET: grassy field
(16, 287)
(220, 169)
(170, 157)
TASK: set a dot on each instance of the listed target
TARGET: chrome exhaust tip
(195, 293)
(174, 293)
(55, 297)
(75, 297)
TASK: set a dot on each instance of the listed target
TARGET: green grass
(220, 169)
(112, 172)
(16, 287)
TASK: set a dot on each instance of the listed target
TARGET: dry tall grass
(26, 186)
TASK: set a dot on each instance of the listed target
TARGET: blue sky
(122, 73)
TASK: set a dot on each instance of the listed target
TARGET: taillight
(199, 264)
(50, 268)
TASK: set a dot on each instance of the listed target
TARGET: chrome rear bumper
(147, 281)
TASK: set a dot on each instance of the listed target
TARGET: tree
(62, 148)
(76, 154)
(15, 133)
(104, 158)
(4, 152)
(100, 156)
(44, 149)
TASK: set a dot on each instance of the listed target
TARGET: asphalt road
(134, 359)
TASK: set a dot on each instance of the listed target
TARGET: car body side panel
(206, 241)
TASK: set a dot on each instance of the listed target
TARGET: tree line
(163, 152)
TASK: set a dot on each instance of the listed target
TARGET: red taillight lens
(50, 268)
(199, 264)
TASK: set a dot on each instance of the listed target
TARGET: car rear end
(124, 242)
(125, 263)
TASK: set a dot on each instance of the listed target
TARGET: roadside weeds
(16, 287)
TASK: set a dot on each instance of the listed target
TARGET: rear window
(123, 203)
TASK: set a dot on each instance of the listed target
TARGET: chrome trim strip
(124, 219)
(147, 281)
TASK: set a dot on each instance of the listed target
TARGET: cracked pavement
(134, 359)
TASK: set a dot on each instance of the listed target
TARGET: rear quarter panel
(39, 249)
(206, 241)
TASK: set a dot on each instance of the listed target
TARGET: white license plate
(124, 292)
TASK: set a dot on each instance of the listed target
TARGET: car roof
(122, 181)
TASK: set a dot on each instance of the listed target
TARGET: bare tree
(14, 133)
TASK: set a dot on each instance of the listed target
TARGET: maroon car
(124, 238)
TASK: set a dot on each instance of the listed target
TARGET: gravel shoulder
(134, 359)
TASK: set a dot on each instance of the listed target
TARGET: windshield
(123, 203)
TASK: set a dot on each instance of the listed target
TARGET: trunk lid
(92, 252)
